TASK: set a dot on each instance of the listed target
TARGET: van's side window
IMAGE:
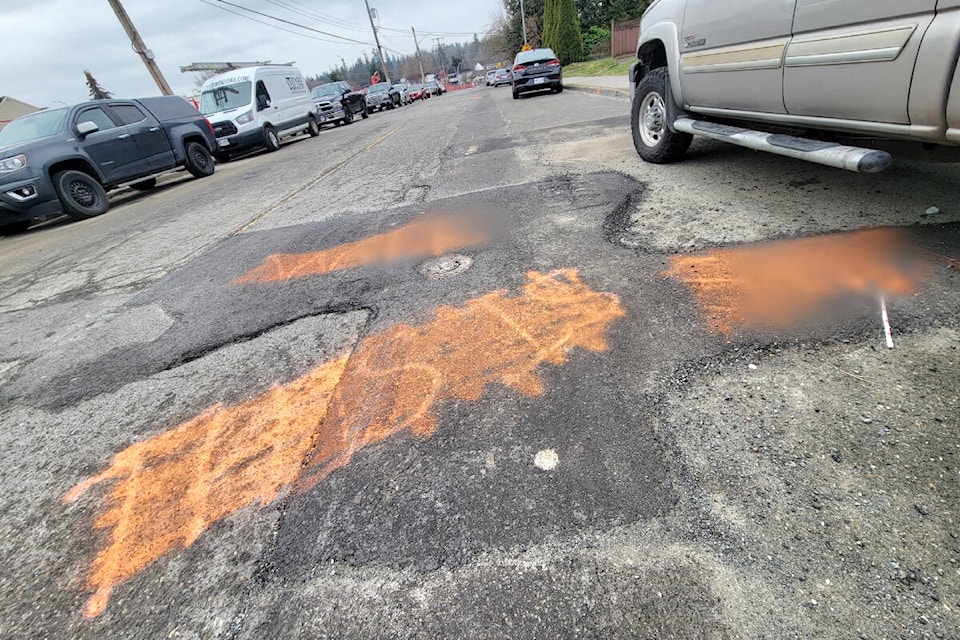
(263, 96)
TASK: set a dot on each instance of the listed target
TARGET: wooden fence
(623, 38)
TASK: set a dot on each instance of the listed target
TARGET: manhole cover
(446, 266)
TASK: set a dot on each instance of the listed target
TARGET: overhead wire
(295, 24)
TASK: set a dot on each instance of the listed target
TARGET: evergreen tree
(96, 91)
(561, 30)
(550, 14)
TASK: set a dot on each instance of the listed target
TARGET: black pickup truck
(65, 160)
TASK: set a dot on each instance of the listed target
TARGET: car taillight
(553, 63)
(519, 67)
(210, 126)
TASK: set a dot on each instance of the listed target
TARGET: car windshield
(414, 87)
(378, 88)
(536, 55)
(399, 87)
(326, 91)
(432, 83)
(33, 127)
(230, 96)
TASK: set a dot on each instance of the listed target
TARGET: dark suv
(536, 70)
(337, 102)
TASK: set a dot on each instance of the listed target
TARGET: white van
(257, 106)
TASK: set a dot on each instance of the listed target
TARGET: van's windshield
(229, 96)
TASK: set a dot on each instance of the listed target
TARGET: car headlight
(245, 118)
(9, 165)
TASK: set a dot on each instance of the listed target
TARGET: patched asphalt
(452, 533)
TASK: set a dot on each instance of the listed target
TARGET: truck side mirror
(86, 127)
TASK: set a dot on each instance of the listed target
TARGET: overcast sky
(50, 42)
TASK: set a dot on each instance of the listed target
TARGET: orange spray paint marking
(781, 283)
(168, 490)
(428, 236)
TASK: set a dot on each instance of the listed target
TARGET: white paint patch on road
(546, 460)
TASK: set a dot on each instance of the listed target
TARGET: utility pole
(443, 67)
(419, 59)
(523, 21)
(137, 42)
(376, 38)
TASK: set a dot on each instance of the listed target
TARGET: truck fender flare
(668, 34)
(78, 163)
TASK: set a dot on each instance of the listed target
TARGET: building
(11, 108)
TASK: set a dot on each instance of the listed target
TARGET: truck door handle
(123, 136)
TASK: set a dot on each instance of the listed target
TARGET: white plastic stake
(886, 322)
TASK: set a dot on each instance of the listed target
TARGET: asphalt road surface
(469, 369)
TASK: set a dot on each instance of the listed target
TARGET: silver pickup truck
(838, 82)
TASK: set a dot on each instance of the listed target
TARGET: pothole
(446, 266)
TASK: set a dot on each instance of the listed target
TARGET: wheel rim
(652, 119)
(200, 160)
(82, 193)
(274, 140)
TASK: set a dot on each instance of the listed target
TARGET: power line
(295, 24)
(269, 24)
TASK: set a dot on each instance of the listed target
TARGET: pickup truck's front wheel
(653, 138)
(80, 194)
(199, 160)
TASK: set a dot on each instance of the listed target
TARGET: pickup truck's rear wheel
(653, 138)
(313, 128)
(199, 160)
(80, 194)
(270, 139)
(365, 113)
(347, 115)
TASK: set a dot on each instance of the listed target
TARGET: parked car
(257, 107)
(432, 88)
(404, 91)
(337, 102)
(65, 160)
(536, 70)
(829, 72)
(491, 74)
(382, 96)
(415, 91)
(502, 77)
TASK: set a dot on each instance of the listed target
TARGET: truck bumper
(240, 141)
(30, 197)
(332, 115)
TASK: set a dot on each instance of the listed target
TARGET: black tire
(365, 113)
(516, 94)
(13, 228)
(313, 129)
(80, 194)
(653, 138)
(270, 139)
(347, 115)
(559, 88)
(199, 160)
(144, 185)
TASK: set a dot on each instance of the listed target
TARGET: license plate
(538, 81)
(223, 142)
